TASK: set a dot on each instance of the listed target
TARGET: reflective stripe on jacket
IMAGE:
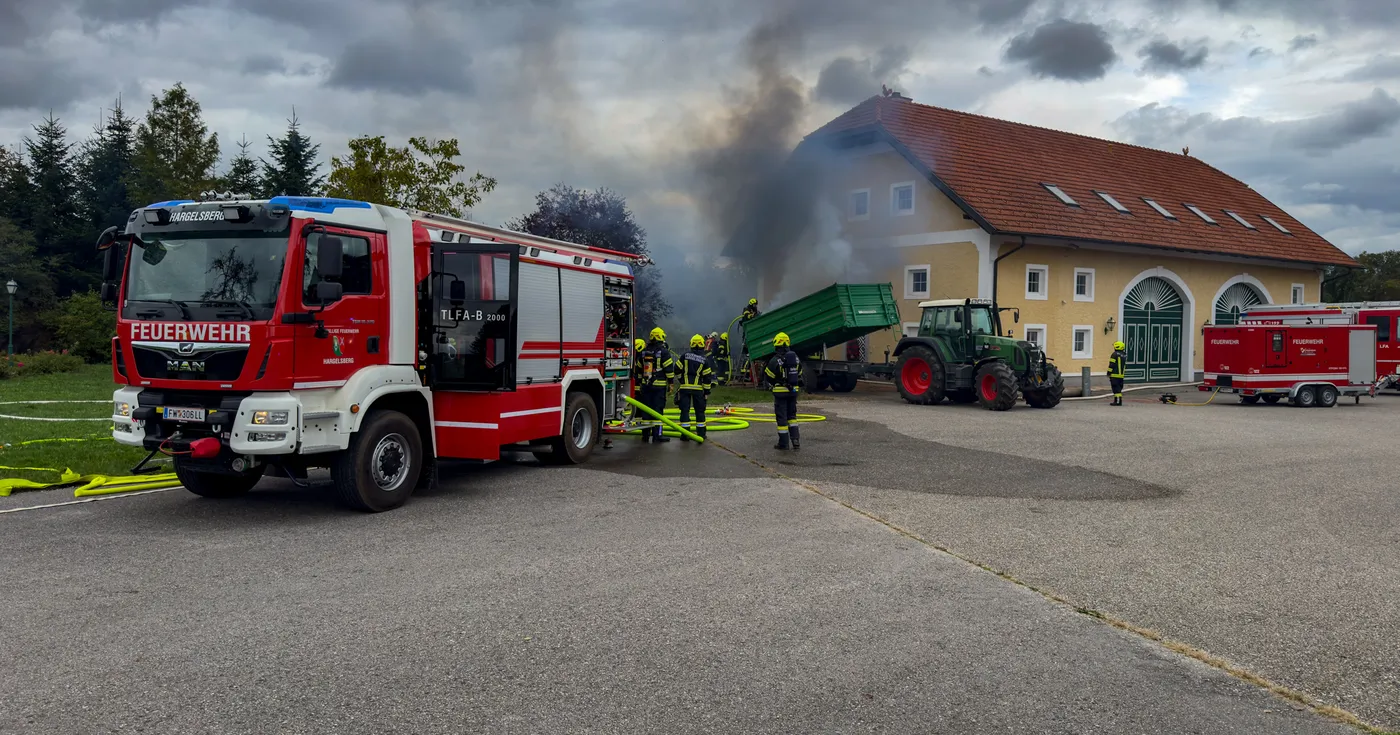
(784, 371)
(655, 368)
(696, 371)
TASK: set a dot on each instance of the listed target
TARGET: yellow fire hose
(647, 409)
(727, 418)
(87, 484)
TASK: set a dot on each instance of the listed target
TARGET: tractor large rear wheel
(919, 375)
(1049, 393)
(996, 386)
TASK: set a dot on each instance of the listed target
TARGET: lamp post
(12, 287)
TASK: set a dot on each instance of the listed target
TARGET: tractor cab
(970, 327)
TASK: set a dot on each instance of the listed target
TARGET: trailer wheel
(1272, 398)
(919, 376)
(380, 469)
(1306, 397)
(581, 431)
(211, 485)
(1249, 400)
(1327, 396)
(845, 383)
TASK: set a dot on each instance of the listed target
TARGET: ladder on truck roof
(469, 228)
(1339, 306)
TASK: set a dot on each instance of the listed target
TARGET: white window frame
(1243, 222)
(1044, 282)
(850, 205)
(1087, 297)
(1044, 335)
(909, 292)
(910, 329)
(1060, 194)
(894, 199)
(1088, 352)
(1298, 294)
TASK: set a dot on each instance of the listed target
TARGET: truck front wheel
(380, 468)
(212, 485)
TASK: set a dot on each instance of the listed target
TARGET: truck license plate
(184, 414)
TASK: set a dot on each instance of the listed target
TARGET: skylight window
(1112, 202)
(1239, 219)
(1197, 211)
(1276, 225)
(1060, 194)
(1160, 209)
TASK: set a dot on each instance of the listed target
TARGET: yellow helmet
(724, 336)
(753, 302)
(658, 334)
(1119, 346)
(782, 340)
(640, 344)
(697, 341)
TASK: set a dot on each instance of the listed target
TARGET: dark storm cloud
(1380, 68)
(847, 80)
(1372, 117)
(33, 83)
(1300, 43)
(1164, 57)
(1064, 49)
(263, 64)
(130, 11)
(405, 66)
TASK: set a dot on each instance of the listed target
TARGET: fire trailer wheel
(1327, 396)
(381, 467)
(581, 429)
(1272, 398)
(920, 376)
(1249, 400)
(996, 386)
(213, 485)
(1049, 395)
(1306, 397)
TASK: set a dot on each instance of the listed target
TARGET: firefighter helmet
(753, 302)
(697, 341)
(640, 344)
(724, 336)
(782, 340)
(1119, 346)
(658, 334)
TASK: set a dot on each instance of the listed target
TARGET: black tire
(1249, 400)
(919, 375)
(996, 386)
(1272, 398)
(380, 469)
(962, 395)
(1327, 396)
(812, 382)
(581, 430)
(1306, 397)
(211, 485)
(1050, 395)
(844, 383)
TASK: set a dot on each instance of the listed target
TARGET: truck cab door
(470, 337)
(356, 326)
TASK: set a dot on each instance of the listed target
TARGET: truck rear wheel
(213, 485)
(1327, 396)
(1047, 396)
(996, 386)
(580, 432)
(919, 375)
(380, 469)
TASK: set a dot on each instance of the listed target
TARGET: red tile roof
(997, 169)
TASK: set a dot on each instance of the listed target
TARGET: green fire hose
(684, 432)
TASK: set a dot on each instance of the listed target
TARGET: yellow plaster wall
(933, 212)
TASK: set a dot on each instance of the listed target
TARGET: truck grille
(224, 365)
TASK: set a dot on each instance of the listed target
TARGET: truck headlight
(121, 409)
(270, 418)
(266, 436)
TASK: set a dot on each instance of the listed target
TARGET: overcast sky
(1296, 97)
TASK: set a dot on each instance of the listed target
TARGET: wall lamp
(1108, 326)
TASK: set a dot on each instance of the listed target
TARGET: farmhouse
(1093, 240)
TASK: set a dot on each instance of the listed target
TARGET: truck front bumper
(138, 420)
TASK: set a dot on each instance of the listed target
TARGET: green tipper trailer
(832, 316)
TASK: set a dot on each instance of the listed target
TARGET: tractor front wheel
(920, 376)
(1050, 392)
(996, 386)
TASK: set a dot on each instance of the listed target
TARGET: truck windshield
(982, 322)
(226, 277)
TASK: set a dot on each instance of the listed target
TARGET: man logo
(185, 348)
(184, 366)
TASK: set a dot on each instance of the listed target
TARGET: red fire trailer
(1383, 315)
(1310, 365)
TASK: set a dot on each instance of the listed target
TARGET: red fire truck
(1382, 314)
(294, 333)
(1310, 365)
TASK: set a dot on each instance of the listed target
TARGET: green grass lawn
(98, 455)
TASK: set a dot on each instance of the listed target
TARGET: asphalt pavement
(1267, 536)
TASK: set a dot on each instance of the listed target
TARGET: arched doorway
(1235, 300)
(1154, 318)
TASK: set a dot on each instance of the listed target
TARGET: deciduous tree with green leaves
(175, 152)
(424, 175)
(1378, 279)
(294, 168)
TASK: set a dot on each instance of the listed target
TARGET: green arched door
(1234, 301)
(1153, 324)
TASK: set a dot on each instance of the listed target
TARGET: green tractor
(960, 353)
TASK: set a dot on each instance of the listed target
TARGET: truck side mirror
(110, 263)
(328, 292)
(457, 292)
(109, 293)
(108, 236)
(330, 254)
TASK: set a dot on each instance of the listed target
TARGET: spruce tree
(15, 188)
(294, 168)
(55, 214)
(106, 171)
(242, 177)
(175, 152)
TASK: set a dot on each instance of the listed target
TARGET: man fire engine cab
(304, 332)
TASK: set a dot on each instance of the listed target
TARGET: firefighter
(720, 352)
(1116, 372)
(696, 375)
(749, 311)
(784, 372)
(655, 373)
